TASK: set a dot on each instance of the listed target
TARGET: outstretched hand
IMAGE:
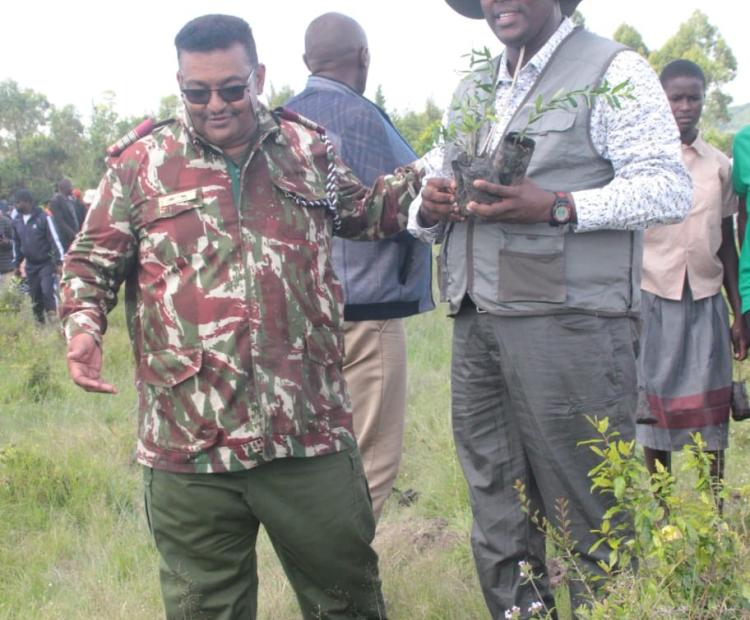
(85, 364)
(439, 202)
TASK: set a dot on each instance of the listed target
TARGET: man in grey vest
(543, 282)
(383, 281)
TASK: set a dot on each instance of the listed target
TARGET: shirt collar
(698, 145)
(325, 83)
(541, 58)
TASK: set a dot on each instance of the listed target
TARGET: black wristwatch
(561, 212)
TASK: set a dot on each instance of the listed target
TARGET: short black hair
(24, 195)
(216, 32)
(682, 68)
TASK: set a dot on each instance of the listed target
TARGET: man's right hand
(439, 203)
(85, 364)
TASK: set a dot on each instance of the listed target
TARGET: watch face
(561, 214)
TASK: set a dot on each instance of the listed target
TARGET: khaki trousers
(375, 371)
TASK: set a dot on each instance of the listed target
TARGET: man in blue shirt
(383, 281)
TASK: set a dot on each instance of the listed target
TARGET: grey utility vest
(538, 269)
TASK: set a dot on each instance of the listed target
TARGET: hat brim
(473, 8)
(467, 8)
(568, 7)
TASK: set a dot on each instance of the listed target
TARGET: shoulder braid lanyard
(331, 202)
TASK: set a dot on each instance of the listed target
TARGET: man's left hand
(526, 203)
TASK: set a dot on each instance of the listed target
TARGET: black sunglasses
(230, 94)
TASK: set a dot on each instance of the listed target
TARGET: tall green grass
(73, 538)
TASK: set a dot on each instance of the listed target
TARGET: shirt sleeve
(650, 184)
(741, 160)
(728, 195)
(99, 260)
(380, 211)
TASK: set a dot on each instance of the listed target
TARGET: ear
(364, 58)
(179, 80)
(307, 64)
(260, 78)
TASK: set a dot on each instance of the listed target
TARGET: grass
(73, 538)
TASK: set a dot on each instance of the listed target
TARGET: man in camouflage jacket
(220, 226)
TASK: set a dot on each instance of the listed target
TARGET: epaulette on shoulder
(135, 134)
(289, 115)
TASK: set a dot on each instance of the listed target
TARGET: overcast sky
(74, 51)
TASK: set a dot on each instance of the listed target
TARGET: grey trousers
(521, 388)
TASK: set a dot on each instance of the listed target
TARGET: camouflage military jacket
(232, 304)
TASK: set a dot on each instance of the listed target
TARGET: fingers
(93, 385)
(439, 202)
(501, 191)
(488, 211)
(84, 364)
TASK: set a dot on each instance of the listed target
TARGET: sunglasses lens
(200, 96)
(231, 94)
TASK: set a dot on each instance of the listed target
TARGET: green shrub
(673, 552)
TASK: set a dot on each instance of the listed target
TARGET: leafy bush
(673, 552)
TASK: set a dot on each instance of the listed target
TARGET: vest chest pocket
(531, 265)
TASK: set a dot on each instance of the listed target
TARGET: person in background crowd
(80, 207)
(6, 248)
(220, 225)
(685, 363)
(64, 212)
(544, 283)
(88, 198)
(383, 281)
(37, 246)
(741, 182)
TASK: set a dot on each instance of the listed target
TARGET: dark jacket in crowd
(6, 244)
(66, 217)
(36, 241)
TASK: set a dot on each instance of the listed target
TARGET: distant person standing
(383, 281)
(686, 358)
(36, 244)
(6, 248)
(741, 180)
(65, 213)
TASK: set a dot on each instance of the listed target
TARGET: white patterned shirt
(641, 140)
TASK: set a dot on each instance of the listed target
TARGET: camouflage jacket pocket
(170, 229)
(169, 367)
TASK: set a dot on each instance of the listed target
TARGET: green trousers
(318, 516)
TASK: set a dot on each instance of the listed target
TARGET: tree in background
(699, 41)
(420, 129)
(23, 112)
(380, 97)
(627, 35)
(278, 97)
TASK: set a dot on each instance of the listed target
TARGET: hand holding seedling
(439, 202)
(526, 203)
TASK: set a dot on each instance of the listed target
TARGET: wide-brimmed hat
(473, 8)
